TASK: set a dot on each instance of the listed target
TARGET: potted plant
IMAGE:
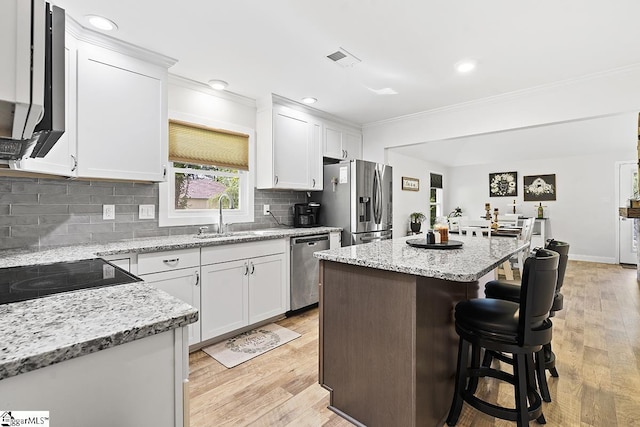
(416, 221)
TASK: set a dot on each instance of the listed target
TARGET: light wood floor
(596, 341)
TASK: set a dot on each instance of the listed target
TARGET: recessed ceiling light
(309, 100)
(218, 84)
(465, 66)
(102, 23)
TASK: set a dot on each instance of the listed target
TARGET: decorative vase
(415, 227)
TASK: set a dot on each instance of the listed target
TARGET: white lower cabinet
(178, 274)
(183, 284)
(242, 284)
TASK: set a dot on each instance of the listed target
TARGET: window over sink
(206, 163)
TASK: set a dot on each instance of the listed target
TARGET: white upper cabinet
(289, 152)
(341, 142)
(122, 116)
(116, 112)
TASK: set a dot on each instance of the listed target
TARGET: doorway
(628, 189)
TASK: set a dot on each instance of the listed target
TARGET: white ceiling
(280, 46)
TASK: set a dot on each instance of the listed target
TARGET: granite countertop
(477, 257)
(44, 331)
(13, 257)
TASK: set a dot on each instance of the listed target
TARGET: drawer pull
(253, 268)
(171, 261)
(246, 269)
(197, 278)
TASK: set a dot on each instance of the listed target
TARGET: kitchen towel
(248, 345)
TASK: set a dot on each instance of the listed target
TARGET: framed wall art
(539, 188)
(410, 184)
(503, 184)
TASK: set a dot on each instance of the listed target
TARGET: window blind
(191, 143)
(436, 180)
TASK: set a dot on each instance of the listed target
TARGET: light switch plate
(108, 212)
(266, 210)
(146, 211)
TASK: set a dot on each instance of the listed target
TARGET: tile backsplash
(37, 212)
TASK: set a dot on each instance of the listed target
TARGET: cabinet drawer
(169, 260)
(216, 254)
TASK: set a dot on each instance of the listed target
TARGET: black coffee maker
(306, 214)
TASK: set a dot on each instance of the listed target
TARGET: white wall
(404, 201)
(585, 213)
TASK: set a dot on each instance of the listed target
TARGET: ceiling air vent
(343, 58)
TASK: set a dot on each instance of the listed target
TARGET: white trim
(589, 258)
(166, 214)
(617, 167)
(204, 88)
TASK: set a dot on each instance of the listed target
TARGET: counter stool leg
(461, 379)
(521, 392)
(542, 376)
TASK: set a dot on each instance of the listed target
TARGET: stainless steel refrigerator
(357, 196)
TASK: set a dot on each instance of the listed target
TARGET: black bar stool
(518, 329)
(511, 292)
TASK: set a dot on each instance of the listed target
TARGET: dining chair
(454, 222)
(508, 220)
(478, 227)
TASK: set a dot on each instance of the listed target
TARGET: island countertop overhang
(477, 257)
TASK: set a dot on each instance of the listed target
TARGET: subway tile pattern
(39, 213)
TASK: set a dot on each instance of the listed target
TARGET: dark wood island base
(388, 346)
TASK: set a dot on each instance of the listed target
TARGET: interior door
(628, 182)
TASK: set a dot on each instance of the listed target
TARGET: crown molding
(508, 96)
(87, 35)
(205, 88)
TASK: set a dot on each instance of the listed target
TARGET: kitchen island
(387, 340)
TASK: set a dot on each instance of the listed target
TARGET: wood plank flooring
(596, 341)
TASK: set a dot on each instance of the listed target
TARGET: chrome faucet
(220, 223)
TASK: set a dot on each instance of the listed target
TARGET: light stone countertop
(40, 332)
(18, 257)
(477, 257)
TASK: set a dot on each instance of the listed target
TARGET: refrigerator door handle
(377, 197)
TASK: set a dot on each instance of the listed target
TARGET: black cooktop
(36, 281)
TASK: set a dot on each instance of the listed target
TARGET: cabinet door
(183, 284)
(291, 150)
(122, 123)
(266, 287)
(224, 298)
(352, 145)
(332, 142)
(297, 162)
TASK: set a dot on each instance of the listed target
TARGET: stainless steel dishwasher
(304, 269)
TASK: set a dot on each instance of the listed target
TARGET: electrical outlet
(146, 211)
(108, 211)
(266, 210)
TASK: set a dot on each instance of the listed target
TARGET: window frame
(439, 202)
(169, 216)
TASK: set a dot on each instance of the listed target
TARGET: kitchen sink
(266, 232)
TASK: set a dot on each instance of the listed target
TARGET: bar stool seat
(511, 292)
(518, 329)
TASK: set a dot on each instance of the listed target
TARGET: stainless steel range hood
(32, 86)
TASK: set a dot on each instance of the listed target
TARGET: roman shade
(191, 143)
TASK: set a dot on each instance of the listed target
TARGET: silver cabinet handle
(346, 153)
(75, 163)
(314, 183)
(253, 268)
(276, 179)
(164, 171)
(197, 278)
(246, 269)
(171, 261)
